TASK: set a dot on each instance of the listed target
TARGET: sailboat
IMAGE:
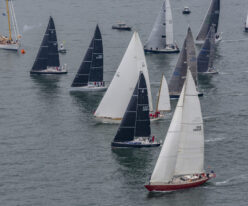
(246, 24)
(11, 42)
(187, 59)
(163, 101)
(90, 74)
(211, 18)
(161, 37)
(206, 55)
(114, 103)
(134, 130)
(180, 164)
(47, 60)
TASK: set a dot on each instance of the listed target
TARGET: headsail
(206, 54)
(183, 149)
(187, 59)
(91, 69)
(53, 54)
(163, 103)
(157, 38)
(212, 18)
(136, 120)
(246, 23)
(116, 98)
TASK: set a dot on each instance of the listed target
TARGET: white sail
(165, 166)
(164, 97)
(190, 157)
(183, 149)
(246, 23)
(168, 23)
(117, 97)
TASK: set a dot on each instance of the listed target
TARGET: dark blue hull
(42, 73)
(133, 145)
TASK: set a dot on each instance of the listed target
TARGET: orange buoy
(23, 51)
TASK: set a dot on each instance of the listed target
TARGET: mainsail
(53, 54)
(48, 55)
(187, 59)
(91, 69)
(206, 54)
(212, 18)
(136, 120)
(183, 149)
(163, 103)
(116, 98)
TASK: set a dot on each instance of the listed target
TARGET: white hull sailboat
(180, 164)
(12, 42)
(90, 73)
(115, 101)
(211, 19)
(161, 37)
(163, 101)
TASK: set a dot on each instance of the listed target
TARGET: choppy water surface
(52, 152)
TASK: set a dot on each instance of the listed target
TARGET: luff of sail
(183, 149)
(211, 18)
(91, 68)
(206, 54)
(163, 103)
(136, 120)
(116, 98)
(187, 59)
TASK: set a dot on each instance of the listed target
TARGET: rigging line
(12, 18)
(16, 25)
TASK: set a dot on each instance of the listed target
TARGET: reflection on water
(88, 100)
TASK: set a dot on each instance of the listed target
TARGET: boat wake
(215, 139)
(236, 180)
(235, 40)
(30, 27)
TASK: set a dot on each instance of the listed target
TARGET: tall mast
(7, 8)
(159, 92)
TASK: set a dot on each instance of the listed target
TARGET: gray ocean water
(53, 152)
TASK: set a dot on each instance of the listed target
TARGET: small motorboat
(62, 49)
(186, 10)
(122, 26)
